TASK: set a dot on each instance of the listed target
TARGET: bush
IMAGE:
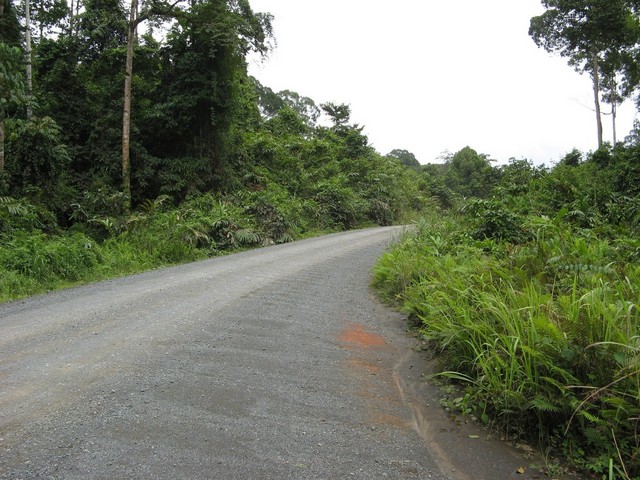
(493, 220)
(49, 259)
(339, 204)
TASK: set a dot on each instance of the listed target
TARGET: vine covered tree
(9, 25)
(11, 81)
(152, 9)
(202, 82)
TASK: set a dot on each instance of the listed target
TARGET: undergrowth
(104, 241)
(543, 335)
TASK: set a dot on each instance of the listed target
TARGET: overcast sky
(431, 76)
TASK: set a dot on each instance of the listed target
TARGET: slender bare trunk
(126, 114)
(613, 117)
(41, 25)
(29, 78)
(596, 93)
(71, 19)
(73, 14)
(614, 108)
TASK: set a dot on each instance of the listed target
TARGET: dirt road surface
(275, 363)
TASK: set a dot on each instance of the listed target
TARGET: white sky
(435, 75)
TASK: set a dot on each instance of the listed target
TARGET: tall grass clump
(542, 334)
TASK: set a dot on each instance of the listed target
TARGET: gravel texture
(274, 363)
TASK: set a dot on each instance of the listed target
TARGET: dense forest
(135, 138)
(132, 137)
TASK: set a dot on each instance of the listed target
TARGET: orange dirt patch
(355, 334)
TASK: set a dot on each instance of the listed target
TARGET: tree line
(141, 141)
(152, 97)
(176, 111)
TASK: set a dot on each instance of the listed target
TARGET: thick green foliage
(282, 198)
(37, 159)
(545, 333)
(469, 173)
(285, 179)
(494, 219)
(9, 25)
(196, 129)
(532, 297)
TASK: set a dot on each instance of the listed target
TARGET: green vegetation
(532, 295)
(139, 150)
(295, 199)
(126, 148)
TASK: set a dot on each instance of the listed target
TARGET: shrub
(492, 219)
(49, 259)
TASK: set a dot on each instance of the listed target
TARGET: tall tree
(126, 111)
(406, 158)
(151, 9)
(203, 75)
(340, 114)
(470, 173)
(588, 33)
(270, 103)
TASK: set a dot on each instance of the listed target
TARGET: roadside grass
(37, 256)
(543, 336)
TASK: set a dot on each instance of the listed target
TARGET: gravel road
(273, 363)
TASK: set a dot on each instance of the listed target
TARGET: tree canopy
(406, 157)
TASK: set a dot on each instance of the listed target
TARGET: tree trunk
(71, 19)
(74, 11)
(41, 25)
(613, 119)
(126, 114)
(614, 109)
(596, 92)
(27, 19)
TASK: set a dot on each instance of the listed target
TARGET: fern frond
(245, 236)
(590, 417)
(543, 405)
(13, 206)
